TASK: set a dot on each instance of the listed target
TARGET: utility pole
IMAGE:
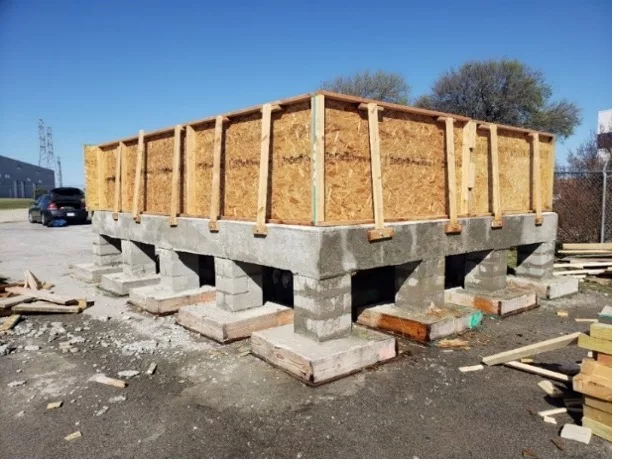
(59, 173)
(42, 143)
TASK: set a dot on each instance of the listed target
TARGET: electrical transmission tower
(47, 159)
(43, 161)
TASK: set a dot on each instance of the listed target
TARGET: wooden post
(497, 216)
(319, 205)
(453, 226)
(551, 166)
(190, 170)
(118, 190)
(215, 197)
(139, 174)
(175, 178)
(469, 143)
(262, 194)
(100, 177)
(537, 193)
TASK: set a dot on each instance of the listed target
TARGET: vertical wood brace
(190, 170)
(118, 190)
(100, 177)
(215, 197)
(262, 194)
(318, 113)
(453, 226)
(138, 201)
(175, 178)
(380, 232)
(469, 144)
(496, 206)
(537, 193)
(551, 182)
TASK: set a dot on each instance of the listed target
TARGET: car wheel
(30, 218)
(44, 220)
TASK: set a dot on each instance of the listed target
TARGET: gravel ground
(208, 400)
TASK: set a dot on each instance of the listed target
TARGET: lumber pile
(581, 260)
(35, 297)
(595, 378)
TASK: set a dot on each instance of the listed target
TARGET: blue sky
(100, 70)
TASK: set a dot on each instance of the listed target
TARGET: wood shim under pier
(413, 158)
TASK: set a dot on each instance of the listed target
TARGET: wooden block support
(453, 226)
(215, 197)
(262, 194)
(318, 112)
(139, 175)
(175, 178)
(190, 170)
(537, 193)
(496, 206)
(118, 190)
(469, 144)
(380, 232)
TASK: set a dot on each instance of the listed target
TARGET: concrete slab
(120, 284)
(498, 303)
(157, 299)
(227, 326)
(421, 325)
(318, 362)
(550, 288)
(90, 272)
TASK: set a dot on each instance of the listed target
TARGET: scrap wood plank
(118, 182)
(10, 322)
(139, 174)
(595, 369)
(453, 226)
(601, 330)
(595, 344)
(530, 350)
(48, 296)
(606, 406)
(587, 246)
(539, 370)
(31, 280)
(552, 412)
(262, 191)
(46, 307)
(550, 389)
(598, 387)
(175, 177)
(603, 417)
(592, 253)
(582, 265)
(215, 197)
(6, 303)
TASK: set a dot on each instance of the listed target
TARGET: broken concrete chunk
(128, 374)
(32, 348)
(151, 369)
(17, 383)
(576, 433)
(117, 399)
(100, 378)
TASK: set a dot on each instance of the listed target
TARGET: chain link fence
(583, 200)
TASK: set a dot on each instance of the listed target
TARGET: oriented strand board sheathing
(240, 166)
(109, 176)
(158, 158)
(414, 165)
(128, 174)
(204, 143)
(514, 171)
(479, 197)
(347, 163)
(90, 168)
(290, 187)
(546, 172)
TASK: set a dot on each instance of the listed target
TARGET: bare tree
(378, 85)
(592, 154)
(503, 91)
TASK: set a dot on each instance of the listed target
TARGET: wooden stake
(469, 143)
(215, 198)
(139, 174)
(175, 178)
(190, 170)
(497, 216)
(319, 205)
(262, 195)
(453, 226)
(537, 193)
(118, 191)
(380, 232)
(100, 177)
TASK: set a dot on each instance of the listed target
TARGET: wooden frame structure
(326, 159)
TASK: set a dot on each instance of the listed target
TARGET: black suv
(66, 203)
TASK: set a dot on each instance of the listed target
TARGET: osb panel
(158, 161)
(90, 176)
(546, 172)
(479, 194)
(240, 167)
(128, 175)
(414, 164)
(290, 189)
(108, 160)
(514, 171)
(204, 146)
(347, 163)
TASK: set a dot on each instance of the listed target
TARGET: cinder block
(180, 283)
(486, 270)
(420, 284)
(230, 268)
(137, 259)
(173, 263)
(107, 260)
(322, 329)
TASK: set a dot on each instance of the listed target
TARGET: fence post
(603, 223)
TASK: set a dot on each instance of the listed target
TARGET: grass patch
(15, 203)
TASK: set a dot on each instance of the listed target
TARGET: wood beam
(319, 205)
(139, 175)
(453, 226)
(469, 144)
(215, 196)
(536, 182)
(175, 178)
(118, 189)
(262, 194)
(496, 206)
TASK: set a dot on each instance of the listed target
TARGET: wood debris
(54, 405)
(30, 281)
(562, 313)
(558, 443)
(453, 343)
(477, 367)
(530, 350)
(151, 369)
(10, 323)
(73, 436)
(584, 259)
(100, 378)
(550, 389)
(529, 453)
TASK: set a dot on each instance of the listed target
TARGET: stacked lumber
(584, 259)
(35, 297)
(595, 378)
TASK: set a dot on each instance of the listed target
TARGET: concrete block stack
(595, 378)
